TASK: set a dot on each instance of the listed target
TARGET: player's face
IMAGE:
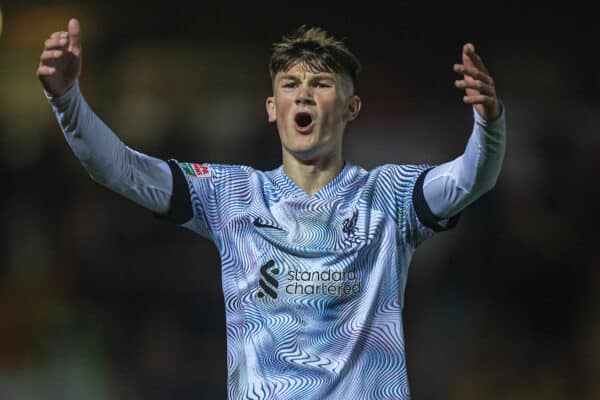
(311, 110)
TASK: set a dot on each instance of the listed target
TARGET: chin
(298, 142)
(304, 153)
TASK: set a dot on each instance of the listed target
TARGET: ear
(352, 108)
(271, 111)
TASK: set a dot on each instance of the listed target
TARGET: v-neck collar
(288, 186)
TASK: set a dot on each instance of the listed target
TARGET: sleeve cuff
(491, 125)
(423, 211)
(180, 205)
(66, 97)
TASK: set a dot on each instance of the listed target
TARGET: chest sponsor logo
(267, 281)
(302, 283)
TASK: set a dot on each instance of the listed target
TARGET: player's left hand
(478, 84)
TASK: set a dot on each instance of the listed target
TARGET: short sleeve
(192, 195)
(207, 196)
(423, 211)
(415, 220)
(418, 218)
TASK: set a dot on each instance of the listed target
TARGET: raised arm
(450, 187)
(140, 178)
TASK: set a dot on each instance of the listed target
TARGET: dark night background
(99, 300)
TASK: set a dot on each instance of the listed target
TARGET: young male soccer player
(315, 253)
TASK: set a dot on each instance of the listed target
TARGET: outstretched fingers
(478, 84)
(477, 81)
(474, 58)
(481, 86)
(479, 99)
(474, 73)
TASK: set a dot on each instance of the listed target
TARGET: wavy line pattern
(334, 328)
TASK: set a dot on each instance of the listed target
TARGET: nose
(304, 95)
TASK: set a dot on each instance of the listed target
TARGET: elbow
(104, 175)
(465, 195)
(100, 179)
(485, 185)
(489, 182)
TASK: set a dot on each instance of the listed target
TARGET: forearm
(450, 187)
(140, 178)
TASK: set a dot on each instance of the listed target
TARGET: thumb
(74, 36)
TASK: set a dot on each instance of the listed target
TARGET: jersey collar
(288, 187)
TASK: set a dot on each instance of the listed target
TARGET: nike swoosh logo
(259, 224)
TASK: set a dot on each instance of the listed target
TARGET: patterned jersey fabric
(313, 284)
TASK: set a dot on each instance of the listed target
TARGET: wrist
(65, 97)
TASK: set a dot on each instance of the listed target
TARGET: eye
(289, 85)
(323, 85)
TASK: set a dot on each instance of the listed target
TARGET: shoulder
(398, 175)
(207, 170)
(219, 174)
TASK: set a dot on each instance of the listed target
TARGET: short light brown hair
(317, 50)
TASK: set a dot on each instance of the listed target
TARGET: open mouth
(304, 122)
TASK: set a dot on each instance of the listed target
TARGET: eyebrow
(316, 77)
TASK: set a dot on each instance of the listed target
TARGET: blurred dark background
(99, 300)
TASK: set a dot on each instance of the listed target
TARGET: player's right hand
(60, 62)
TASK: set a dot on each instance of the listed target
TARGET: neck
(311, 176)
